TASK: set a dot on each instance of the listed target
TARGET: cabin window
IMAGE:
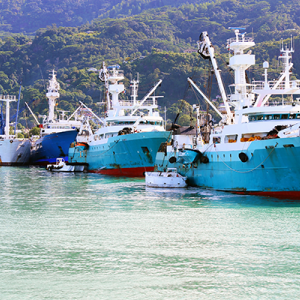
(274, 117)
(217, 140)
(231, 138)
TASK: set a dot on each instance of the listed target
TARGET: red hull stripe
(126, 172)
(279, 194)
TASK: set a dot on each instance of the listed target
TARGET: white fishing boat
(168, 179)
(62, 166)
(13, 151)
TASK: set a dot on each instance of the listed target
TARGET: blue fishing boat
(127, 142)
(255, 149)
(56, 134)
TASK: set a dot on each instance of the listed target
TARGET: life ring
(11, 141)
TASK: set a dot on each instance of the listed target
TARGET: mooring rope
(253, 168)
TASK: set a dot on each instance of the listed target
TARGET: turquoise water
(86, 236)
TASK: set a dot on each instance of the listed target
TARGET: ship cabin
(257, 125)
(128, 125)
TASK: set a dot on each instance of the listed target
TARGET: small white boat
(169, 179)
(61, 166)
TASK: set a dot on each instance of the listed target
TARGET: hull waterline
(273, 168)
(128, 155)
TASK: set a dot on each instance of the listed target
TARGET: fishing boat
(62, 166)
(56, 134)
(168, 179)
(130, 135)
(255, 149)
(13, 151)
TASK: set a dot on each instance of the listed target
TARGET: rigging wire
(187, 87)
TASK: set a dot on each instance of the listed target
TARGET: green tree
(34, 131)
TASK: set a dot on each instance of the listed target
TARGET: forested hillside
(151, 42)
(27, 16)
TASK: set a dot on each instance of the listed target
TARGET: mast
(52, 95)
(111, 76)
(134, 89)
(7, 99)
(240, 62)
(103, 75)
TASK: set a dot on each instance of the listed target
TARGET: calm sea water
(85, 236)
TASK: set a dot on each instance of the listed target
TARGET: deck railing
(240, 39)
(8, 97)
(149, 102)
(260, 85)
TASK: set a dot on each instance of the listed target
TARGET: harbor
(254, 143)
(149, 150)
(90, 236)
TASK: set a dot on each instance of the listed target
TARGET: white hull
(14, 152)
(165, 180)
(65, 168)
(68, 168)
(61, 166)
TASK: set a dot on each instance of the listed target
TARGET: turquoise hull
(273, 168)
(128, 155)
